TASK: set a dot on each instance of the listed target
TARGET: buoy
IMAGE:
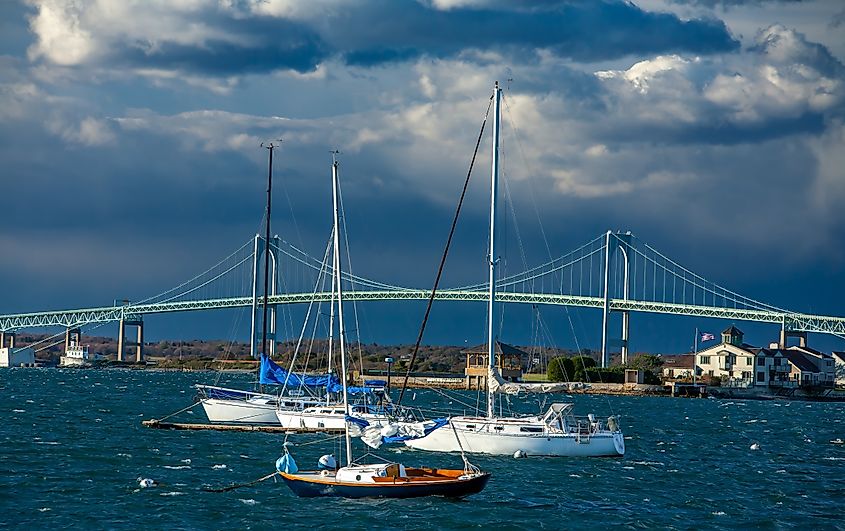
(755, 446)
(146, 482)
(519, 454)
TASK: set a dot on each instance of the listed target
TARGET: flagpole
(695, 358)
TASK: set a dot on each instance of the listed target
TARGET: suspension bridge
(615, 272)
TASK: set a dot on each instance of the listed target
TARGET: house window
(777, 361)
(761, 362)
(705, 360)
(748, 361)
(761, 376)
(746, 375)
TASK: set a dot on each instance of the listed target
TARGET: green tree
(560, 369)
(581, 365)
(648, 362)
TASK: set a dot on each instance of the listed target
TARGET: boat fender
(325, 473)
(327, 462)
(519, 454)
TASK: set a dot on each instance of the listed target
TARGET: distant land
(440, 359)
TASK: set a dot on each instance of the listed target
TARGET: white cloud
(89, 131)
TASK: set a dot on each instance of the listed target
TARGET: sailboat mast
(337, 282)
(331, 322)
(491, 301)
(270, 148)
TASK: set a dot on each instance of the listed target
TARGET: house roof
(745, 347)
(811, 351)
(501, 349)
(734, 331)
(800, 360)
(839, 355)
(680, 361)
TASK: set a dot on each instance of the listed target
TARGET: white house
(824, 365)
(731, 360)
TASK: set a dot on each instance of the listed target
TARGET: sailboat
(557, 432)
(238, 406)
(371, 480)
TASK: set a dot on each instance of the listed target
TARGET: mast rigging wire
(443, 258)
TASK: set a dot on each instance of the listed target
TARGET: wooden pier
(234, 427)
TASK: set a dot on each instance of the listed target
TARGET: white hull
(323, 418)
(481, 436)
(254, 411)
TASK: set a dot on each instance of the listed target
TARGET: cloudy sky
(712, 129)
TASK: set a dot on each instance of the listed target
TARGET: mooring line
(237, 486)
(176, 413)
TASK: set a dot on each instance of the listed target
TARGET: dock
(155, 424)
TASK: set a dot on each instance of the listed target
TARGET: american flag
(707, 337)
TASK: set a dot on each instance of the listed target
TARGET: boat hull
(226, 411)
(549, 444)
(456, 488)
(317, 421)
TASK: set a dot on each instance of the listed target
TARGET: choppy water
(73, 449)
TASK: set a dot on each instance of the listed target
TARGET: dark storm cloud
(232, 40)
(582, 31)
(733, 3)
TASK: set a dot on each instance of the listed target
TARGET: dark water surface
(73, 449)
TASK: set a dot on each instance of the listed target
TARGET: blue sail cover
(272, 374)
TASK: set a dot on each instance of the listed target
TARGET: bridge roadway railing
(73, 318)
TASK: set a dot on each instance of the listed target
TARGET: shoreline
(457, 382)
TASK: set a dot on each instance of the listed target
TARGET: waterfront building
(824, 364)
(509, 361)
(732, 360)
(739, 364)
(17, 357)
(773, 368)
(676, 367)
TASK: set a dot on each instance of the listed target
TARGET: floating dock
(234, 427)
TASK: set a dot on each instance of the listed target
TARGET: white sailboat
(358, 479)
(237, 406)
(557, 432)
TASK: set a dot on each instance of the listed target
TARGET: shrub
(560, 369)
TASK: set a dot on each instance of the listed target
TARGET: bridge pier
(613, 242)
(73, 336)
(122, 342)
(786, 334)
(10, 336)
(259, 249)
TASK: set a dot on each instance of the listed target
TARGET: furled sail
(375, 436)
(497, 384)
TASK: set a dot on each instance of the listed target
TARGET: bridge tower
(259, 248)
(122, 342)
(621, 242)
(10, 335)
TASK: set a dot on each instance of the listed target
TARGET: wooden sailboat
(372, 480)
(557, 432)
